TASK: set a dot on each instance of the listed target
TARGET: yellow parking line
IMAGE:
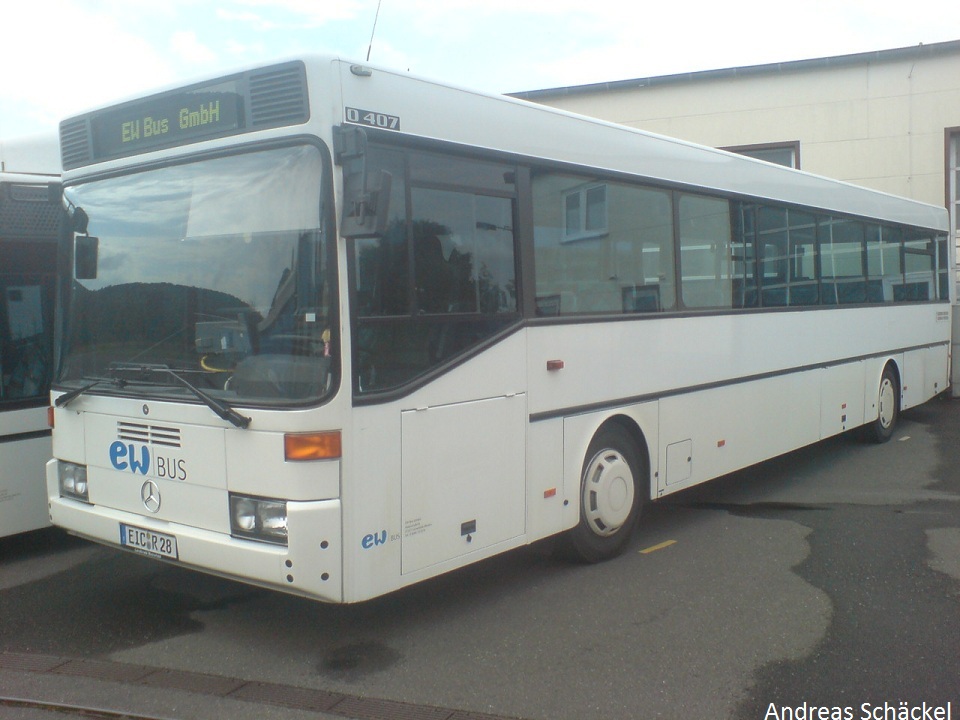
(654, 548)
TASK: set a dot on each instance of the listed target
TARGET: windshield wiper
(220, 408)
(65, 399)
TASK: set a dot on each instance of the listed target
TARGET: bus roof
(510, 124)
(428, 109)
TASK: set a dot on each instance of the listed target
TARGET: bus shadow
(37, 544)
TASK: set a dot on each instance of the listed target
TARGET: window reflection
(442, 277)
(616, 256)
(730, 254)
(215, 268)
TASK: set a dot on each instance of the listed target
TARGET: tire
(611, 497)
(888, 408)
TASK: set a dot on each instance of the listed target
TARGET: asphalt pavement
(827, 578)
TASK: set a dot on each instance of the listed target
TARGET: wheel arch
(639, 422)
(640, 442)
(633, 428)
(894, 364)
(598, 520)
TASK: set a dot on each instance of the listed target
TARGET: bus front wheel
(610, 497)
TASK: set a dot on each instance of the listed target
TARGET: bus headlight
(73, 481)
(258, 519)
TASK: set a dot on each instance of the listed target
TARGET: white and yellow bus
(334, 330)
(29, 225)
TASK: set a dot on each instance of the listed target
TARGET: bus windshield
(215, 271)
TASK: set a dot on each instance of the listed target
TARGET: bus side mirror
(365, 211)
(86, 251)
(79, 220)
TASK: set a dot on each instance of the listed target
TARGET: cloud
(245, 17)
(84, 58)
(296, 13)
(385, 54)
(65, 56)
(237, 49)
(191, 51)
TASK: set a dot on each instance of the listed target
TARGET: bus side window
(804, 288)
(842, 261)
(743, 249)
(601, 247)
(442, 276)
(884, 266)
(919, 260)
(706, 257)
(787, 257)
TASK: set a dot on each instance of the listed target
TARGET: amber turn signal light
(312, 446)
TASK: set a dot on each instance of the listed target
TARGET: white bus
(29, 225)
(334, 329)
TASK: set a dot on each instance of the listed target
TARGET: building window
(585, 212)
(786, 154)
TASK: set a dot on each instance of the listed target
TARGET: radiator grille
(149, 434)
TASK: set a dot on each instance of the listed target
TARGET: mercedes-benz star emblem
(150, 494)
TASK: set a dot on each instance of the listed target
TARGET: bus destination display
(168, 120)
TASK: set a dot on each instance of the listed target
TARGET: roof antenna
(377, 15)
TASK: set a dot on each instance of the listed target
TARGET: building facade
(889, 120)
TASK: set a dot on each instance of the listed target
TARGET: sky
(61, 57)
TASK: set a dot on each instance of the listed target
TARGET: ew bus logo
(124, 457)
(138, 459)
(374, 539)
(148, 450)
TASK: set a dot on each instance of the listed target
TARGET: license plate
(148, 541)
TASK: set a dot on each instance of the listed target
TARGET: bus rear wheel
(610, 498)
(888, 408)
